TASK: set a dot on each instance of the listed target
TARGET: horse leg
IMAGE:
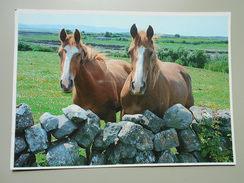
(122, 113)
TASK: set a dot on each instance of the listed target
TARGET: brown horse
(97, 81)
(153, 84)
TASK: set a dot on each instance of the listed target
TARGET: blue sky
(200, 25)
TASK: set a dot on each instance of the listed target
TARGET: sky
(172, 23)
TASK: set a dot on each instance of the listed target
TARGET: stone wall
(137, 139)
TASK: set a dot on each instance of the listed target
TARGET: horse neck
(88, 74)
(153, 74)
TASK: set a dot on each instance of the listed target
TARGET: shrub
(219, 64)
(215, 147)
(198, 58)
(22, 46)
(44, 49)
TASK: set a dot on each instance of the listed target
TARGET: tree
(177, 35)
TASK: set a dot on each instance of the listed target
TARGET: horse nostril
(71, 83)
(61, 85)
(133, 85)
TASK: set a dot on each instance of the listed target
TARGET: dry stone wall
(137, 139)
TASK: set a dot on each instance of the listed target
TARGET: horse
(95, 80)
(153, 84)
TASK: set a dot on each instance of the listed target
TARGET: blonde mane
(92, 54)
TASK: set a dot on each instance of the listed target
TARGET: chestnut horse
(153, 84)
(97, 81)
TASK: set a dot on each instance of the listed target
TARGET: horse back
(180, 87)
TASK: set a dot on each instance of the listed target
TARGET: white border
(17, 11)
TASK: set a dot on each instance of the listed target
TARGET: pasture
(38, 78)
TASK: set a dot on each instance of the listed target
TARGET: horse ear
(150, 32)
(133, 31)
(77, 35)
(63, 35)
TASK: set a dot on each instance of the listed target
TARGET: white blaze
(70, 51)
(138, 77)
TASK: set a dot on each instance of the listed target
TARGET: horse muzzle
(67, 87)
(138, 88)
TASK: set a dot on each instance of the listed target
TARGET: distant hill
(57, 28)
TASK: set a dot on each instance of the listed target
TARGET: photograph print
(120, 89)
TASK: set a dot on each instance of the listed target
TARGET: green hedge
(23, 46)
(195, 58)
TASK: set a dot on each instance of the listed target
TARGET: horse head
(69, 51)
(143, 58)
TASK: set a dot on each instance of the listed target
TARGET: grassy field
(123, 39)
(38, 78)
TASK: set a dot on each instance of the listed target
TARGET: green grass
(162, 42)
(38, 85)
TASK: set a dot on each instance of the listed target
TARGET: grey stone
(112, 155)
(20, 144)
(99, 143)
(36, 138)
(107, 136)
(75, 113)
(148, 120)
(145, 140)
(65, 127)
(154, 123)
(126, 150)
(136, 118)
(144, 157)
(87, 132)
(64, 153)
(97, 159)
(202, 114)
(120, 151)
(224, 116)
(24, 117)
(167, 156)
(49, 122)
(25, 160)
(130, 132)
(186, 158)
(198, 156)
(188, 140)
(93, 118)
(127, 161)
(178, 117)
(165, 140)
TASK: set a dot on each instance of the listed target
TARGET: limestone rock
(24, 118)
(167, 156)
(64, 153)
(178, 117)
(143, 157)
(36, 138)
(202, 114)
(65, 127)
(20, 144)
(49, 122)
(189, 140)
(75, 113)
(165, 140)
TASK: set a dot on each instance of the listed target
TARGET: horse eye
(59, 54)
(150, 53)
(130, 52)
